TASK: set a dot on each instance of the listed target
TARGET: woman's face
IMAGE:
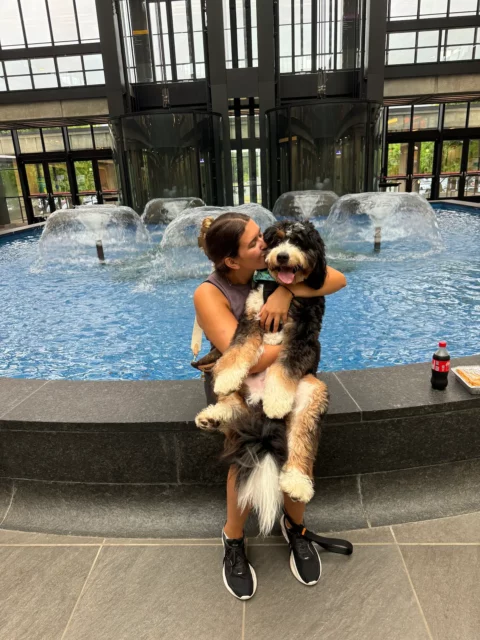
(251, 252)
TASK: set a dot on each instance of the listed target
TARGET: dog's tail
(257, 447)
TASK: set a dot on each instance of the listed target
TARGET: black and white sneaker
(304, 558)
(238, 574)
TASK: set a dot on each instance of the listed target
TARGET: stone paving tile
(151, 593)
(412, 495)
(39, 587)
(22, 538)
(463, 529)
(446, 581)
(366, 595)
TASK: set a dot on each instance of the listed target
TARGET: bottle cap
(442, 343)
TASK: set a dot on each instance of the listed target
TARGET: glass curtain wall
(170, 155)
(328, 145)
(164, 40)
(319, 34)
(240, 30)
(433, 149)
(245, 150)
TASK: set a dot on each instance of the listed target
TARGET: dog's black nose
(283, 258)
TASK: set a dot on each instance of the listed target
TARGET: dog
(271, 420)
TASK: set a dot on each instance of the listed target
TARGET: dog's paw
(209, 419)
(296, 484)
(277, 403)
(228, 381)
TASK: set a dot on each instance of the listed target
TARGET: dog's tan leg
(280, 388)
(303, 430)
(219, 415)
(244, 352)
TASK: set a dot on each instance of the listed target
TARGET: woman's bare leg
(235, 517)
(295, 510)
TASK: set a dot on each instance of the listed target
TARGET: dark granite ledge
(171, 405)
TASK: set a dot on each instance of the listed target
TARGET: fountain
(73, 234)
(164, 210)
(401, 224)
(303, 205)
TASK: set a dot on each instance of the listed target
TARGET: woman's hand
(275, 310)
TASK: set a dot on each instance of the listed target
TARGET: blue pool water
(86, 322)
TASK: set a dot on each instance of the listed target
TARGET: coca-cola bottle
(440, 367)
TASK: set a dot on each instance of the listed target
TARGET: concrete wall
(431, 85)
(54, 109)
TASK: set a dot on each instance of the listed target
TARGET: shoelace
(236, 555)
(301, 544)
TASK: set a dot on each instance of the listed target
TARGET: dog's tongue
(286, 276)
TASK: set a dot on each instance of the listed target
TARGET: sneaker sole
(254, 576)
(293, 566)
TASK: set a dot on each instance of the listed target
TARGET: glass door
(108, 182)
(472, 172)
(87, 190)
(421, 175)
(397, 166)
(451, 169)
(38, 193)
(61, 192)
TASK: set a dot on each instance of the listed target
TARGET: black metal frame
(239, 144)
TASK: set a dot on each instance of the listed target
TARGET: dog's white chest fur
(253, 306)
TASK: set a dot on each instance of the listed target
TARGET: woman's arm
(275, 310)
(219, 324)
(334, 281)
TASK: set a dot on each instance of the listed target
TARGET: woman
(234, 243)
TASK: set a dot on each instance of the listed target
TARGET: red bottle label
(442, 366)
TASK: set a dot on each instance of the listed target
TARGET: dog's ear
(269, 233)
(316, 279)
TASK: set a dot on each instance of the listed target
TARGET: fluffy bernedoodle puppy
(271, 420)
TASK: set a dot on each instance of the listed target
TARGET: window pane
(405, 40)
(42, 65)
(11, 34)
(101, 133)
(433, 8)
(6, 143)
(63, 21)
(87, 20)
(451, 156)
(59, 177)
(30, 140)
(453, 54)
(20, 83)
(93, 62)
(449, 186)
(397, 159)
(53, 139)
(45, 81)
(399, 118)
(72, 79)
(108, 176)
(9, 178)
(35, 178)
(474, 117)
(17, 67)
(95, 77)
(69, 63)
(472, 186)
(181, 48)
(80, 137)
(402, 56)
(36, 22)
(423, 157)
(473, 155)
(425, 116)
(430, 54)
(423, 186)
(428, 38)
(460, 36)
(179, 16)
(84, 176)
(403, 9)
(455, 115)
(463, 7)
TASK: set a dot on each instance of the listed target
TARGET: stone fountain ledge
(124, 458)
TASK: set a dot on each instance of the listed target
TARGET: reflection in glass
(449, 186)
(171, 155)
(397, 159)
(425, 116)
(455, 115)
(399, 118)
(322, 146)
(451, 156)
(108, 180)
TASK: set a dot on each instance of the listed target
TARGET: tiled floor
(405, 582)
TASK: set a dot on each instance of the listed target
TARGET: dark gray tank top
(236, 294)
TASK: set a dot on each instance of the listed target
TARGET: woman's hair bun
(206, 223)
